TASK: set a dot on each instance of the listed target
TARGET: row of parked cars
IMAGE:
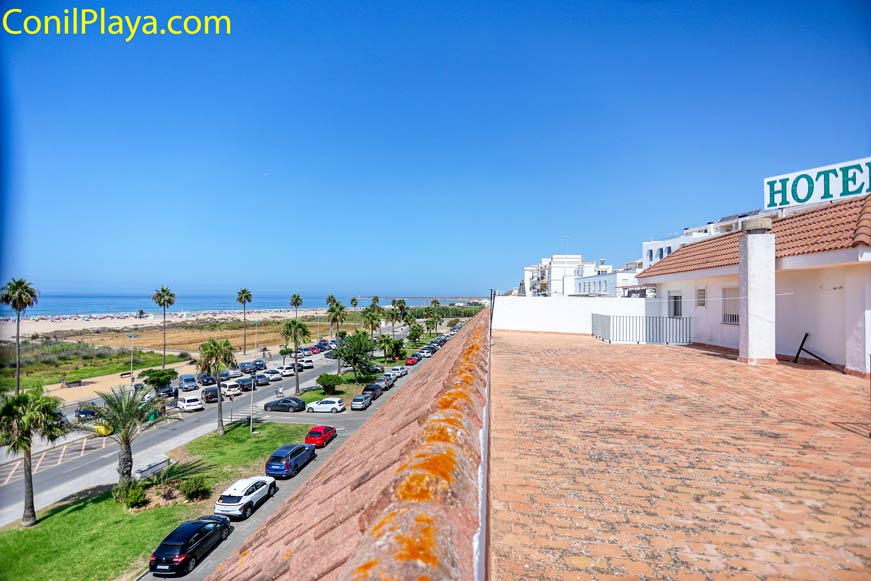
(192, 540)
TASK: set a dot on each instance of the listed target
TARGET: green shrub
(184, 355)
(130, 493)
(195, 488)
(329, 382)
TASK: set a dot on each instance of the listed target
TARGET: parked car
(376, 369)
(260, 380)
(320, 436)
(426, 352)
(330, 355)
(411, 360)
(272, 374)
(286, 370)
(307, 364)
(374, 390)
(230, 388)
(305, 352)
(167, 391)
(361, 402)
(331, 404)
(382, 382)
(388, 379)
(148, 396)
(206, 379)
(285, 404)
(209, 394)
(246, 383)
(243, 496)
(288, 460)
(259, 364)
(84, 414)
(234, 372)
(60, 417)
(189, 403)
(334, 345)
(248, 367)
(188, 543)
(401, 370)
(224, 375)
(315, 350)
(187, 382)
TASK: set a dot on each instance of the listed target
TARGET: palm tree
(19, 294)
(331, 300)
(127, 416)
(337, 315)
(371, 320)
(215, 354)
(403, 308)
(385, 342)
(375, 300)
(164, 298)
(296, 303)
(298, 332)
(22, 418)
(354, 302)
(243, 297)
(392, 315)
(435, 303)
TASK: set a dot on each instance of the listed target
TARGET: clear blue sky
(408, 147)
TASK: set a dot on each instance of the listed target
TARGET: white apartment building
(552, 276)
(655, 250)
(608, 281)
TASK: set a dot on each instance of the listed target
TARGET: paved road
(84, 463)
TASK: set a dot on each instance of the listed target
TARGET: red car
(411, 361)
(315, 350)
(320, 436)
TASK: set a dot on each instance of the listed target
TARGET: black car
(259, 364)
(330, 355)
(260, 380)
(285, 404)
(188, 544)
(224, 375)
(245, 383)
(374, 390)
(167, 391)
(247, 367)
(210, 395)
(205, 379)
(84, 414)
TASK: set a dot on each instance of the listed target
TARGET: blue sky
(410, 148)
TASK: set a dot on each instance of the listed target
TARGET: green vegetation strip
(97, 538)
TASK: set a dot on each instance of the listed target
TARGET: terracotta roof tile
(399, 498)
(835, 226)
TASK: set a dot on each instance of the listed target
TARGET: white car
(230, 388)
(331, 404)
(286, 370)
(234, 372)
(240, 499)
(272, 374)
(426, 353)
(307, 364)
(189, 403)
(399, 371)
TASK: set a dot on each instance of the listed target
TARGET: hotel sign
(821, 184)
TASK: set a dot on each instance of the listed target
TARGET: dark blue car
(288, 460)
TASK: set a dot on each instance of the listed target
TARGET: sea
(52, 304)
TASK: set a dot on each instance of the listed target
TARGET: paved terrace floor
(673, 462)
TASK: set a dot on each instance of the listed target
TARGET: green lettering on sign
(810, 188)
(847, 180)
(827, 190)
(784, 200)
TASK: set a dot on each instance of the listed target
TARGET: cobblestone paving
(673, 462)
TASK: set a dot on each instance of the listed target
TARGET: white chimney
(756, 293)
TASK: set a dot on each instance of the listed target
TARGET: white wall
(708, 326)
(559, 314)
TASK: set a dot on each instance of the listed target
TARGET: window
(675, 304)
(650, 255)
(730, 306)
(659, 254)
(668, 250)
(701, 297)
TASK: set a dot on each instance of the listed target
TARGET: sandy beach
(44, 325)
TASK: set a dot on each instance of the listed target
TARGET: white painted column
(756, 312)
(857, 319)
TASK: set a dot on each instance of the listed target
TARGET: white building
(760, 292)
(655, 250)
(607, 281)
(552, 276)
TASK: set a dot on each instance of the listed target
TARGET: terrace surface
(673, 462)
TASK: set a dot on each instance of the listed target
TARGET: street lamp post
(132, 347)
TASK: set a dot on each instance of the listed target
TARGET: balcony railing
(641, 329)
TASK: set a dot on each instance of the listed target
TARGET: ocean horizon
(69, 303)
